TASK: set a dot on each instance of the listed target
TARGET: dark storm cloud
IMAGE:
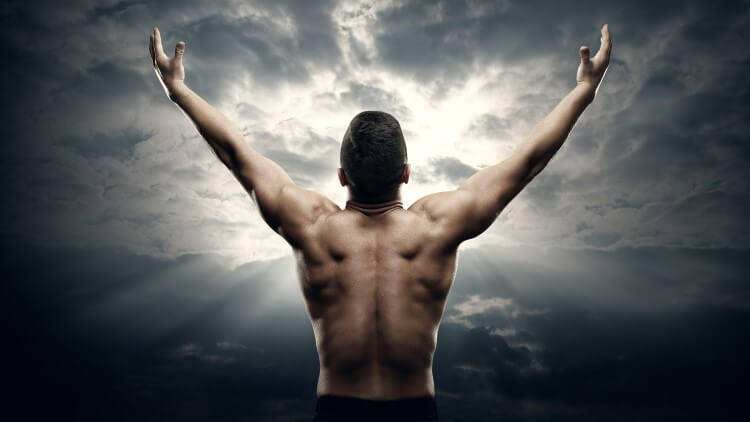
(447, 39)
(669, 152)
(367, 97)
(115, 329)
(89, 116)
(119, 144)
(448, 169)
(665, 134)
(669, 123)
(94, 154)
(187, 339)
(306, 156)
(488, 126)
(276, 43)
(244, 47)
(637, 330)
(444, 41)
(83, 62)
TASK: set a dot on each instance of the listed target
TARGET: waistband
(422, 408)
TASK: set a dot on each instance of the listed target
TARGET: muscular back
(375, 289)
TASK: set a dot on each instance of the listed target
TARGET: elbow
(528, 165)
(533, 171)
(226, 156)
(534, 163)
(227, 159)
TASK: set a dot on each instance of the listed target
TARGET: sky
(140, 282)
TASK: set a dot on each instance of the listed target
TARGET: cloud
(306, 155)
(91, 122)
(367, 97)
(159, 331)
(116, 144)
(587, 329)
(488, 126)
(449, 169)
(223, 353)
(612, 287)
(467, 312)
(561, 331)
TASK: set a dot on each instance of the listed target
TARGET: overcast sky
(141, 283)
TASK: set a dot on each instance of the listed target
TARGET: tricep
(486, 193)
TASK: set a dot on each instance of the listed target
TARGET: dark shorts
(339, 408)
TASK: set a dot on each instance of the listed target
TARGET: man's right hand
(591, 71)
(170, 72)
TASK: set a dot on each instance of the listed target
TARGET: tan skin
(375, 286)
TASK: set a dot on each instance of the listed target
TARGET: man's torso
(375, 289)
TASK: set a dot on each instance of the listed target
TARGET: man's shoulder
(441, 205)
(301, 209)
(307, 201)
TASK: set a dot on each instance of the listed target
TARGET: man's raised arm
(473, 207)
(282, 204)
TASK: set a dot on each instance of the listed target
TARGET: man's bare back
(375, 286)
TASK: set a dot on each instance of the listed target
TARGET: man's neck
(392, 196)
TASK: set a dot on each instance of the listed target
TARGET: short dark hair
(373, 153)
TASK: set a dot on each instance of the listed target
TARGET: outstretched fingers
(157, 49)
(605, 47)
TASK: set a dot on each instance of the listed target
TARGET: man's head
(373, 155)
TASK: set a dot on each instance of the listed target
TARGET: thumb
(584, 53)
(179, 50)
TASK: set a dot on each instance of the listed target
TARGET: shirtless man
(375, 276)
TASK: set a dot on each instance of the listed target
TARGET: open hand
(591, 71)
(170, 72)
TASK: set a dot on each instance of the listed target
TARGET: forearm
(548, 136)
(220, 133)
